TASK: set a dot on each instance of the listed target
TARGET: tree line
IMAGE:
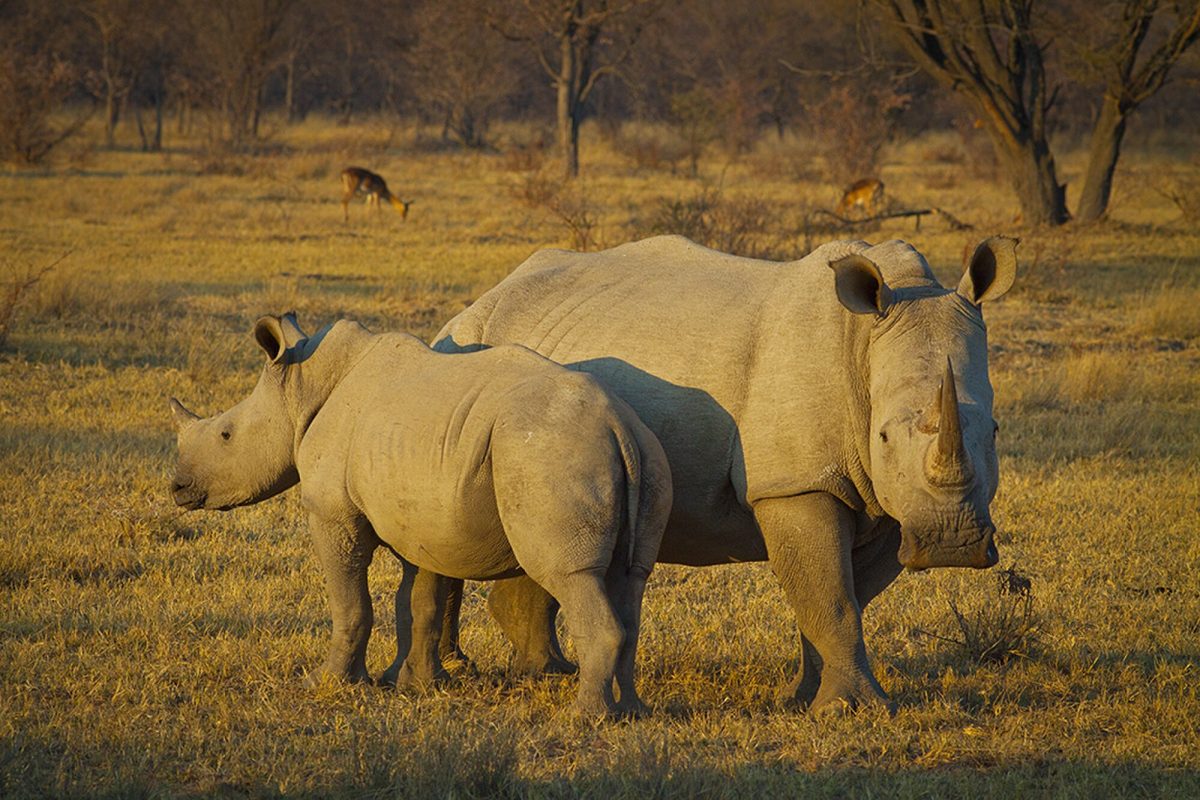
(852, 76)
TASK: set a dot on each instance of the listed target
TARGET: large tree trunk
(568, 107)
(1026, 158)
(1103, 153)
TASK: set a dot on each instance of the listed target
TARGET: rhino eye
(883, 436)
(225, 434)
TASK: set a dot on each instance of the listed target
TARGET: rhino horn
(947, 463)
(183, 417)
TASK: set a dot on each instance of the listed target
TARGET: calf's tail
(633, 489)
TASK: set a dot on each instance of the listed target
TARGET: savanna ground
(148, 652)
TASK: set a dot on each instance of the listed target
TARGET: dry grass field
(145, 652)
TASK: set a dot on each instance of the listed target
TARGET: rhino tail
(633, 488)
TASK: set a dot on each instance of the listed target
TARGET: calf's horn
(947, 462)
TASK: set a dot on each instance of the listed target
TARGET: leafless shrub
(33, 85)
(999, 629)
(649, 150)
(746, 226)
(852, 122)
(526, 155)
(14, 286)
(1183, 190)
(568, 204)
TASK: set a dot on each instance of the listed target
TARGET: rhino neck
(315, 367)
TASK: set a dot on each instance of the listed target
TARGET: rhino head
(931, 438)
(246, 454)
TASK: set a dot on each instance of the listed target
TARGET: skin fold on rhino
(482, 466)
(831, 415)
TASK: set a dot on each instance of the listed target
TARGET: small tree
(1130, 76)
(578, 43)
(461, 69)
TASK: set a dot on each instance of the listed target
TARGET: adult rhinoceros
(831, 415)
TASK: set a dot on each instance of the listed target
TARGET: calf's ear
(292, 332)
(859, 285)
(271, 337)
(991, 271)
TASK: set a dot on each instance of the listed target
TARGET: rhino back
(740, 367)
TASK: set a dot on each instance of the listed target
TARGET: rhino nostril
(179, 484)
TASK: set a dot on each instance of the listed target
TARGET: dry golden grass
(148, 652)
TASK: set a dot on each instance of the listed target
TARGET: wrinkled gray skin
(478, 466)
(831, 415)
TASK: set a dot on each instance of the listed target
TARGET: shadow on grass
(445, 769)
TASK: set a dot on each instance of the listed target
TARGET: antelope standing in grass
(865, 195)
(356, 180)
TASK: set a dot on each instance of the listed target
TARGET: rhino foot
(842, 694)
(407, 678)
(633, 709)
(543, 664)
(324, 675)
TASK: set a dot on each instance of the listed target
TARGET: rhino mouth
(976, 549)
(187, 496)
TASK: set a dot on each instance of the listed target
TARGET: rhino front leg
(875, 566)
(344, 549)
(526, 612)
(809, 542)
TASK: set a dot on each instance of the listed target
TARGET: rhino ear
(860, 286)
(271, 337)
(292, 332)
(991, 270)
(183, 417)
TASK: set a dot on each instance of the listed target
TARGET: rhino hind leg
(598, 637)
(525, 612)
(802, 690)
(626, 588)
(809, 540)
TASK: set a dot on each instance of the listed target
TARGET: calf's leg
(344, 549)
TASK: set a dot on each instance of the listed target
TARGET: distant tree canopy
(718, 74)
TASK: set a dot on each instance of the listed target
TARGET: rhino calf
(481, 466)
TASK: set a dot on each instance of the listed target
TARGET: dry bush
(1000, 628)
(34, 83)
(745, 226)
(648, 149)
(527, 153)
(1182, 188)
(15, 284)
(851, 124)
(567, 203)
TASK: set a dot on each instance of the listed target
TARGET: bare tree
(991, 54)
(1130, 77)
(239, 43)
(461, 70)
(36, 78)
(577, 42)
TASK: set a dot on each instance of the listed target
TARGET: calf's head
(931, 436)
(246, 454)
